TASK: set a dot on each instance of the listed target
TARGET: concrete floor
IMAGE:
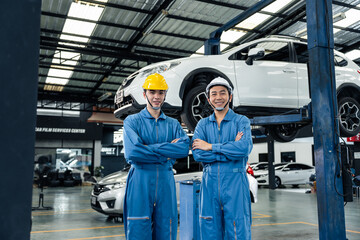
(286, 213)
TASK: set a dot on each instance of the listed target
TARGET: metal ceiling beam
(84, 62)
(112, 41)
(343, 4)
(69, 97)
(96, 52)
(92, 69)
(72, 79)
(73, 86)
(48, 66)
(106, 107)
(119, 6)
(92, 45)
(62, 16)
(179, 35)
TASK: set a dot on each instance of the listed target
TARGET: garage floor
(286, 213)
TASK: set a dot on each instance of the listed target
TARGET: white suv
(269, 77)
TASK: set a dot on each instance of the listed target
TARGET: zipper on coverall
(157, 168)
(219, 174)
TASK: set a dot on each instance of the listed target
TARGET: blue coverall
(225, 205)
(150, 206)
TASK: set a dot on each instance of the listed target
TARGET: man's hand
(202, 145)
(239, 136)
(175, 140)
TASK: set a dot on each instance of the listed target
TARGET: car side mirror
(254, 54)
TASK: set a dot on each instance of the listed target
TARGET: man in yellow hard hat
(152, 142)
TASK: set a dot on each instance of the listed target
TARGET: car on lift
(286, 174)
(107, 196)
(269, 77)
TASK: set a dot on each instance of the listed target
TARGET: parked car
(259, 166)
(269, 77)
(107, 196)
(286, 174)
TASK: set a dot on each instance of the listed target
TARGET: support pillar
(330, 202)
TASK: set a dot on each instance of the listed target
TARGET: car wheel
(349, 117)
(195, 107)
(284, 132)
(277, 182)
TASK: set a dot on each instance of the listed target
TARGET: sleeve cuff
(216, 147)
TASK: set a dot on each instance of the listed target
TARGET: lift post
(326, 130)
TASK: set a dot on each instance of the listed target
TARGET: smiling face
(219, 97)
(155, 97)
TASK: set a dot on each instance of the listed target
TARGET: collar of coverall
(145, 113)
(229, 115)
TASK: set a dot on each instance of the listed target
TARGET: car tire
(284, 132)
(195, 107)
(349, 117)
(277, 182)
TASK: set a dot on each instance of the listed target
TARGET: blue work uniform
(225, 204)
(150, 206)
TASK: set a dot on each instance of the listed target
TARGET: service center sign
(354, 138)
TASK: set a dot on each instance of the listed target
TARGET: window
(287, 157)
(274, 51)
(340, 62)
(302, 53)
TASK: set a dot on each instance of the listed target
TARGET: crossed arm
(234, 150)
(138, 152)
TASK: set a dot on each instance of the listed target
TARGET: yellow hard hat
(155, 82)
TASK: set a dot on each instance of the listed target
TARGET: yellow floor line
(122, 235)
(306, 223)
(261, 215)
(47, 213)
(75, 229)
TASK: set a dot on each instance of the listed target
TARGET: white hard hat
(219, 81)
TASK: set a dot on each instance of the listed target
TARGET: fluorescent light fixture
(253, 21)
(354, 54)
(81, 10)
(276, 6)
(156, 22)
(352, 16)
(104, 96)
(336, 18)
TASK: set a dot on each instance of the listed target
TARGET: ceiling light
(104, 96)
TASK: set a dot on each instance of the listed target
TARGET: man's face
(155, 97)
(219, 96)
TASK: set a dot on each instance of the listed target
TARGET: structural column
(19, 51)
(326, 131)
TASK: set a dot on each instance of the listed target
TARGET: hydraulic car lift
(303, 116)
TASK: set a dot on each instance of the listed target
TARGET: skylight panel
(231, 36)
(276, 6)
(253, 21)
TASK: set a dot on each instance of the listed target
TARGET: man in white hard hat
(222, 142)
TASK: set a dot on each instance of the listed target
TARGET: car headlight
(158, 69)
(116, 185)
